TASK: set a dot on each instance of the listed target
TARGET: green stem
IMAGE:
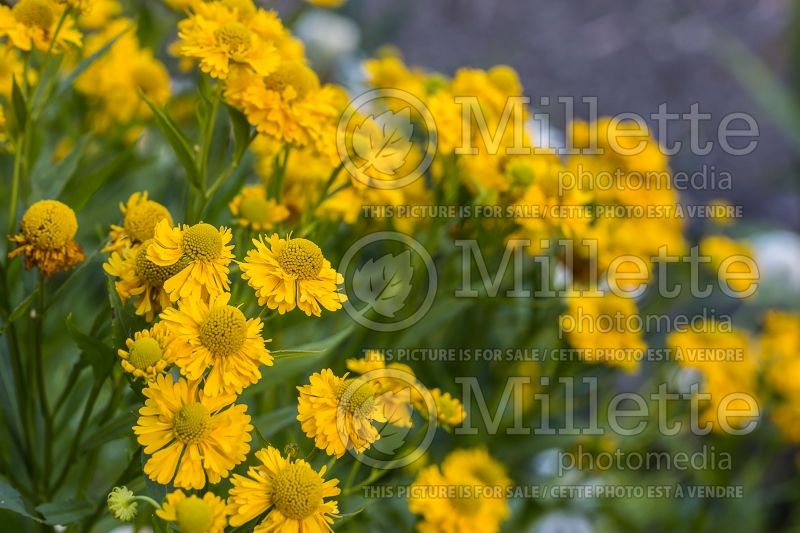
(40, 384)
(73, 451)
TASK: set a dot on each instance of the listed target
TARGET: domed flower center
(193, 515)
(202, 241)
(141, 219)
(291, 74)
(34, 14)
(145, 352)
(152, 274)
(302, 258)
(297, 491)
(192, 423)
(224, 330)
(255, 209)
(356, 396)
(463, 504)
(235, 37)
(49, 224)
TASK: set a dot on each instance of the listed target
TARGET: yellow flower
(145, 357)
(292, 492)
(193, 514)
(46, 237)
(32, 24)
(79, 5)
(461, 497)
(122, 503)
(141, 279)
(140, 217)
(101, 12)
(217, 337)
(338, 412)
(288, 105)
(599, 327)
(449, 411)
(395, 383)
(289, 273)
(731, 259)
(221, 37)
(12, 66)
(191, 438)
(205, 249)
(254, 210)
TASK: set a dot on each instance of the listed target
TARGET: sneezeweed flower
(454, 499)
(140, 217)
(33, 23)
(732, 261)
(145, 355)
(193, 514)
(141, 279)
(46, 237)
(78, 5)
(449, 410)
(252, 209)
(221, 38)
(218, 338)
(338, 412)
(292, 493)
(100, 14)
(292, 272)
(191, 438)
(206, 251)
(601, 329)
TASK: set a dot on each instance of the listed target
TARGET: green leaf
(19, 105)
(60, 174)
(80, 188)
(11, 500)
(23, 306)
(241, 133)
(294, 354)
(65, 512)
(118, 329)
(94, 352)
(116, 428)
(274, 421)
(69, 81)
(177, 140)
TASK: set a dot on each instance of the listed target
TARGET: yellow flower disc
(153, 274)
(34, 13)
(202, 241)
(301, 258)
(192, 423)
(291, 74)
(145, 352)
(141, 219)
(255, 209)
(224, 330)
(234, 36)
(49, 224)
(297, 491)
(356, 397)
(193, 515)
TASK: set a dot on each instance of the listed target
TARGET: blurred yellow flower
(191, 438)
(194, 514)
(252, 209)
(292, 493)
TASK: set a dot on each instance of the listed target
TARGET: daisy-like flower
(144, 356)
(292, 492)
(140, 217)
(449, 410)
(141, 279)
(464, 505)
(32, 24)
(206, 251)
(193, 514)
(221, 36)
(289, 105)
(289, 273)
(192, 438)
(217, 337)
(395, 382)
(252, 209)
(46, 237)
(338, 412)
